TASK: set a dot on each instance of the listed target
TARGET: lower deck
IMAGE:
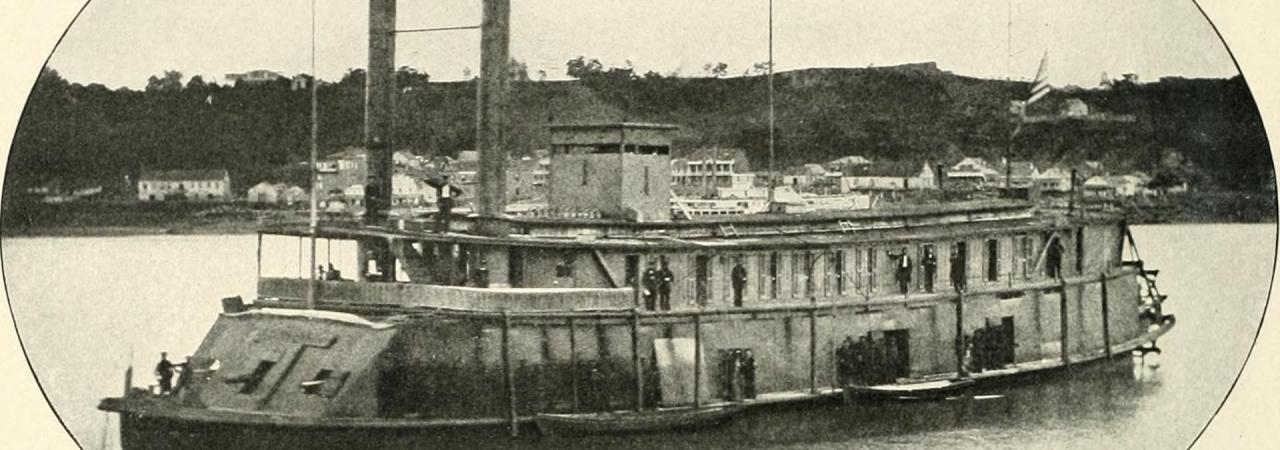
(452, 364)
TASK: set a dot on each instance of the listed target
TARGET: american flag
(1040, 85)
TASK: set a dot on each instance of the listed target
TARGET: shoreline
(247, 228)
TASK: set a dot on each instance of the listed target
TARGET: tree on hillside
(716, 70)
(171, 81)
(581, 67)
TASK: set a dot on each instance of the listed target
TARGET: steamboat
(625, 319)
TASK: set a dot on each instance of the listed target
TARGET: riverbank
(127, 219)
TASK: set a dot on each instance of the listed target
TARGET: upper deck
(561, 264)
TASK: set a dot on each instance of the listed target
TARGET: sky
(123, 42)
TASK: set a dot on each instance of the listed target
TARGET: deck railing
(452, 297)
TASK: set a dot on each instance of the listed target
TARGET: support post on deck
(697, 360)
(635, 358)
(835, 357)
(259, 256)
(573, 363)
(813, 345)
(1062, 323)
(961, 371)
(1106, 319)
(636, 279)
(508, 375)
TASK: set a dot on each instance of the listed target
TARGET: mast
(314, 220)
(772, 176)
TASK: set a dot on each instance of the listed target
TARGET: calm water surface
(85, 305)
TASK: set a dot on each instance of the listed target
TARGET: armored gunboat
(604, 306)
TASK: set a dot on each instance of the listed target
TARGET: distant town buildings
(194, 185)
(704, 171)
(278, 193)
(972, 172)
(254, 77)
(889, 176)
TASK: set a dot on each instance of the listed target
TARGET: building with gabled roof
(201, 185)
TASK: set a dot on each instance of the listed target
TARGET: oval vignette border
(1275, 435)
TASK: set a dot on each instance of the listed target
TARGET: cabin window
(646, 180)
(993, 260)
(808, 276)
(1026, 255)
(702, 279)
(774, 261)
(871, 270)
(762, 279)
(254, 379)
(1079, 250)
(794, 285)
(837, 271)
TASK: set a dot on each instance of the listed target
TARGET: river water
(88, 307)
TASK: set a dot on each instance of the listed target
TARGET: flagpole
(772, 175)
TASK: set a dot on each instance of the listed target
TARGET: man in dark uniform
(665, 280)
(1053, 259)
(650, 283)
(481, 277)
(445, 193)
(739, 278)
(902, 270)
(957, 271)
(929, 262)
(748, 374)
(164, 372)
(185, 372)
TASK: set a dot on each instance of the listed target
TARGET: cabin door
(702, 276)
(959, 264)
(898, 353)
(1009, 343)
(515, 266)
(633, 270)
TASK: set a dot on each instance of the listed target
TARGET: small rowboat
(924, 390)
(623, 422)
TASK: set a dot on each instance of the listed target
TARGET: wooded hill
(93, 135)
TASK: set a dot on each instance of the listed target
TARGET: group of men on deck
(657, 286)
(903, 269)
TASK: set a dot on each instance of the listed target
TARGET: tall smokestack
(495, 39)
(379, 124)
(379, 110)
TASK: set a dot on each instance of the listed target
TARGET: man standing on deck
(739, 277)
(164, 373)
(665, 279)
(957, 263)
(1053, 259)
(445, 193)
(929, 262)
(903, 270)
(649, 281)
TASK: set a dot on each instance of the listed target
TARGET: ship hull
(142, 431)
(148, 423)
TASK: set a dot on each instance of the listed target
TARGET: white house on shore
(195, 185)
(889, 176)
(265, 192)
